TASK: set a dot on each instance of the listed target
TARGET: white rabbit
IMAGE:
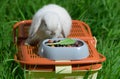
(51, 21)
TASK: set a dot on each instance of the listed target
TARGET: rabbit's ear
(36, 23)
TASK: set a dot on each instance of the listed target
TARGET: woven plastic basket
(28, 57)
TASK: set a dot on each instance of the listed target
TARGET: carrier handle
(29, 21)
(85, 25)
(16, 26)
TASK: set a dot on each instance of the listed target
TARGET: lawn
(103, 17)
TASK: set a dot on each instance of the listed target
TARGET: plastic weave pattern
(27, 55)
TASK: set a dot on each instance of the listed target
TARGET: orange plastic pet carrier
(27, 55)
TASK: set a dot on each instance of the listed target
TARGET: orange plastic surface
(28, 54)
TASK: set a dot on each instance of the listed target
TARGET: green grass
(101, 15)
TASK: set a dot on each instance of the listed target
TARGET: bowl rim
(43, 43)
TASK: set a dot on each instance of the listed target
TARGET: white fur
(56, 18)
